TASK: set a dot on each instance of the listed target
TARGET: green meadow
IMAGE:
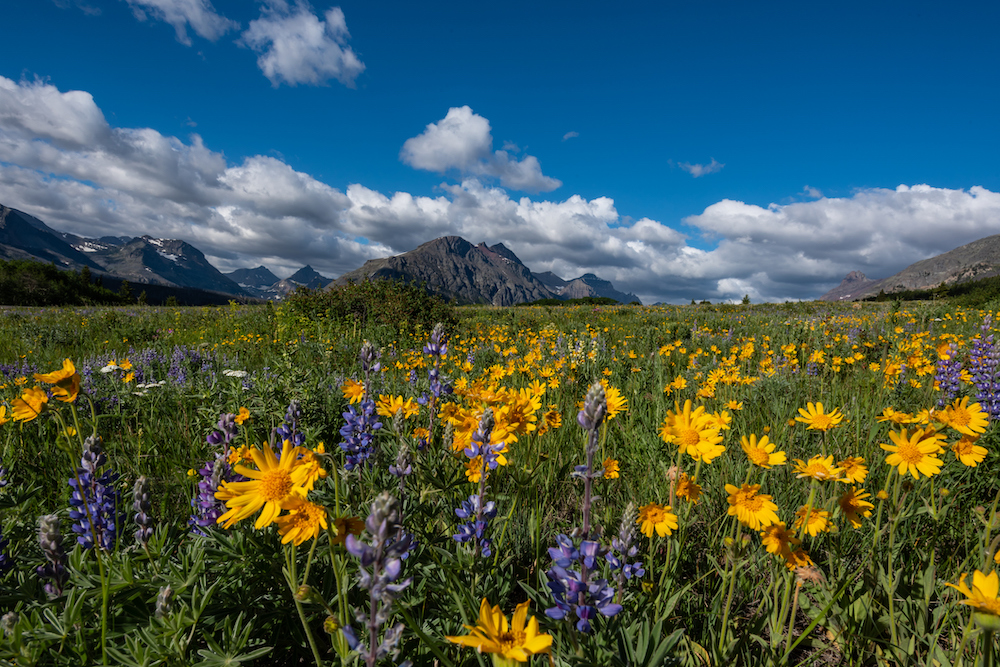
(689, 485)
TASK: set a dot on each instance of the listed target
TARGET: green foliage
(398, 306)
(582, 301)
(29, 283)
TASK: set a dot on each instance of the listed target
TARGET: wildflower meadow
(587, 485)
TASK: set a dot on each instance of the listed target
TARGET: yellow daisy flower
(816, 419)
(272, 486)
(514, 641)
(611, 468)
(854, 469)
(303, 522)
(66, 381)
(353, 391)
(916, 453)
(818, 522)
(242, 416)
(750, 507)
(853, 505)
(964, 418)
(820, 468)
(687, 488)
(762, 453)
(983, 594)
(968, 452)
(346, 525)
(31, 404)
(656, 517)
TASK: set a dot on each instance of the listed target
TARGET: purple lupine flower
(948, 376)
(476, 509)
(984, 366)
(381, 564)
(141, 506)
(360, 424)
(575, 591)
(54, 570)
(623, 547)
(95, 504)
(290, 429)
(228, 430)
(206, 507)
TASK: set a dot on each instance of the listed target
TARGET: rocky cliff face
(455, 269)
(973, 261)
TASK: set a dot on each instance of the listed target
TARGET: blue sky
(689, 150)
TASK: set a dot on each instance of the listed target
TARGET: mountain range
(973, 261)
(449, 266)
(456, 269)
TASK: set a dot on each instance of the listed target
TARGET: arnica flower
(968, 452)
(611, 468)
(347, 525)
(818, 521)
(820, 468)
(964, 418)
(66, 382)
(983, 594)
(692, 432)
(511, 641)
(388, 406)
(271, 487)
(687, 488)
(750, 507)
(616, 402)
(242, 416)
(3, 415)
(656, 517)
(895, 416)
(761, 453)
(353, 391)
(854, 469)
(779, 540)
(915, 453)
(854, 506)
(31, 404)
(303, 521)
(816, 419)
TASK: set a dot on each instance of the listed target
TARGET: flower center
(960, 417)
(689, 437)
(758, 456)
(509, 640)
(909, 452)
(822, 421)
(275, 485)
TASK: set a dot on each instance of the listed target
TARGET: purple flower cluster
(381, 566)
(54, 570)
(984, 366)
(574, 592)
(360, 424)
(289, 430)
(95, 502)
(623, 547)
(206, 508)
(476, 509)
(227, 432)
(948, 376)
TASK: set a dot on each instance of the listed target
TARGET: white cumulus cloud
(462, 141)
(295, 46)
(200, 15)
(62, 161)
